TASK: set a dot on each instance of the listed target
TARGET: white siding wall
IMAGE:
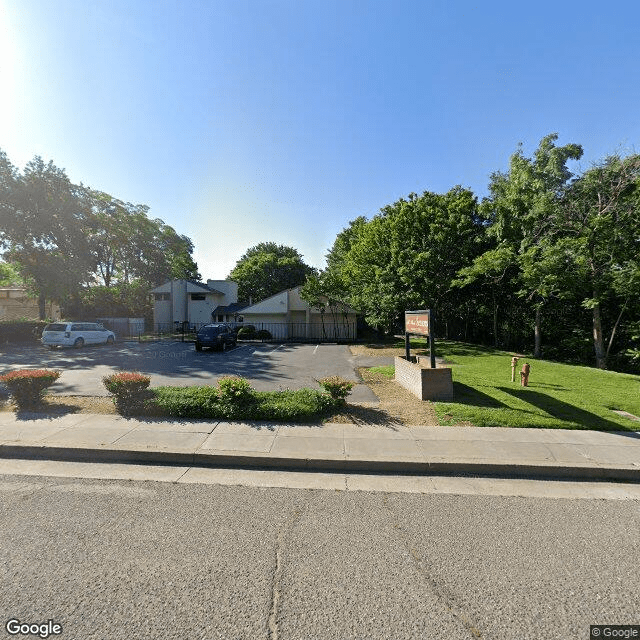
(274, 305)
(162, 312)
(182, 308)
(228, 288)
(257, 318)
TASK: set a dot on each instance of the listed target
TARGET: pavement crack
(276, 581)
(177, 480)
(441, 593)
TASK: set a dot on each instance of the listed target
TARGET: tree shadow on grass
(563, 410)
(545, 385)
(465, 394)
(465, 349)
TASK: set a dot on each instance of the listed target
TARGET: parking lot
(268, 366)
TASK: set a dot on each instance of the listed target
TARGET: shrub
(207, 403)
(299, 405)
(247, 332)
(234, 389)
(14, 331)
(129, 389)
(236, 396)
(187, 402)
(263, 334)
(28, 386)
(337, 387)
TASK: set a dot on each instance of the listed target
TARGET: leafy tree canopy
(405, 257)
(65, 239)
(9, 275)
(268, 268)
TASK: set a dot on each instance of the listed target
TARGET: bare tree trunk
(42, 306)
(495, 324)
(598, 344)
(537, 350)
(615, 327)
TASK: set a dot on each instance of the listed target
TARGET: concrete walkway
(485, 451)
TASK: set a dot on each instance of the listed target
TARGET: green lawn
(559, 396)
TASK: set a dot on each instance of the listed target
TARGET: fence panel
(269, 331)
(124, 327)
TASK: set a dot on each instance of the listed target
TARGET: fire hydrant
(514, 364)
(524, 375)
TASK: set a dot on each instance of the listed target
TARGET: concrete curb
(258, 460)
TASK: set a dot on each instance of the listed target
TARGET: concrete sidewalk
(549, 453)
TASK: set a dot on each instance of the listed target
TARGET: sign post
(419, 323)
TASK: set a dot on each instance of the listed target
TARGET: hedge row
(302, 405)
(12, 331)
(233, 398)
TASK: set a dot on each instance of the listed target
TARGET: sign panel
(417, 322)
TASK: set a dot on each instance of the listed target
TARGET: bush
(234, 389)
(263, 334)
(28, 386)
(129, 389)
(187, 402)
(207, 403)
(13, 331)
(247, 332)
(300, 405)
(337, 387)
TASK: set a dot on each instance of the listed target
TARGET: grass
(559, 396)
(387, 372)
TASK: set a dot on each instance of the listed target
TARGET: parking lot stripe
(278, 347)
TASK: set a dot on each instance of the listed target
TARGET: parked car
(76, 334)
(216, 336)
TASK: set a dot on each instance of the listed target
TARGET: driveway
(268, 366)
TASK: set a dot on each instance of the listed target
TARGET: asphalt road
(118, 559)
(268, 366)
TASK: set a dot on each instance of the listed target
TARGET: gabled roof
(200, 286)
(285, 300)
(234, 307)
(258, 307)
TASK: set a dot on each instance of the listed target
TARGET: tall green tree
(601, 232)
(523, 210)
(66, 239)
(42, 229)
(333, 286)
(128, 245)
(407, 256)
(268, 268)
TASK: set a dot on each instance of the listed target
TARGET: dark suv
(216, 336)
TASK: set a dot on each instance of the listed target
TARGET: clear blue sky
(246, 121)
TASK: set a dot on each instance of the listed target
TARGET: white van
(76, 334)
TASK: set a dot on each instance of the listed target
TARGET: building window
(162, 296)
(197, 296)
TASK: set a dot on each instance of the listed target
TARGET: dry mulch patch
(60, 405)
(375, 351)
(400, 405)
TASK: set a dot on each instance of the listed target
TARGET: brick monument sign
(428, 383)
